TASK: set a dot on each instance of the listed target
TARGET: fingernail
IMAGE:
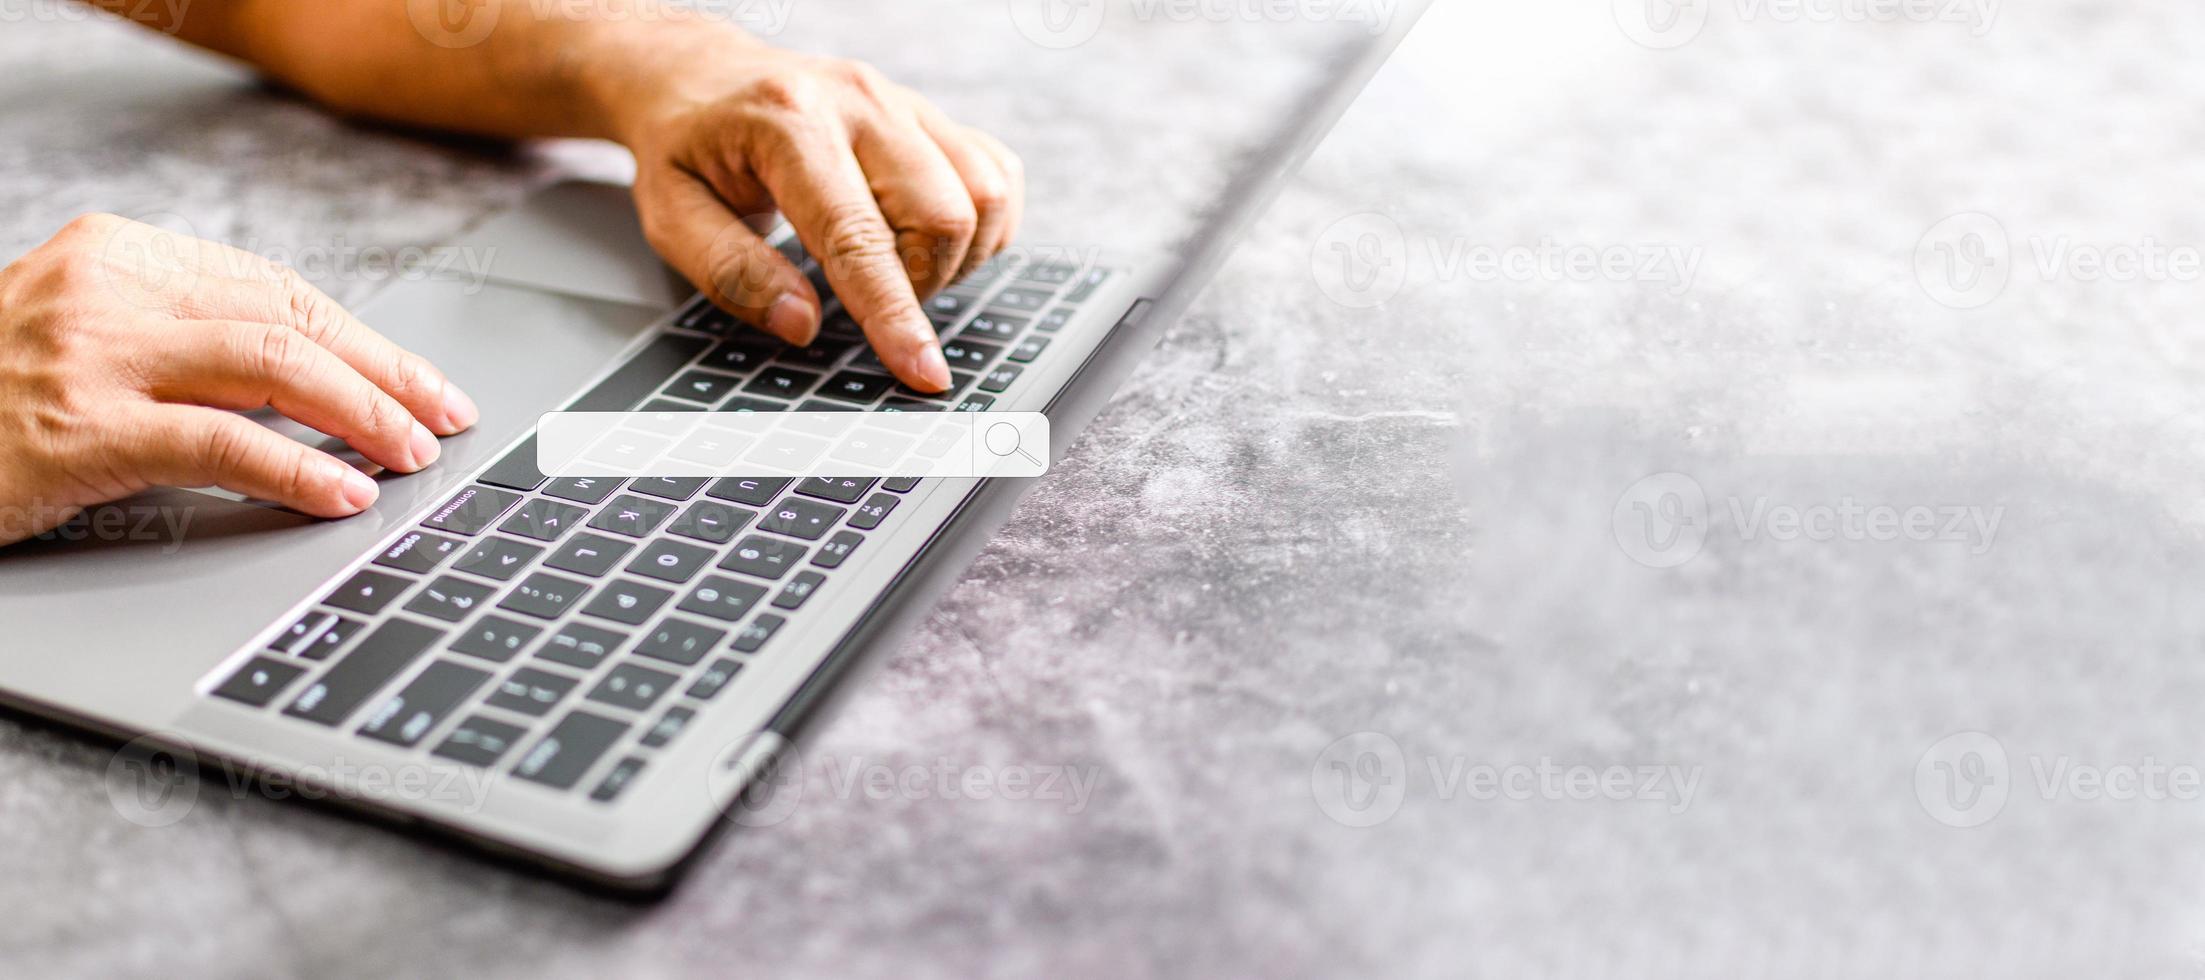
(359, 490)
(424, 446)
(459, 410)
(929, 367)
(793, 319)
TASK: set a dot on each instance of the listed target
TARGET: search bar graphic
(626, 445)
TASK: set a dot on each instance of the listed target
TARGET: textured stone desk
(1694, 726)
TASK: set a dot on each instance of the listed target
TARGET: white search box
(751, 444)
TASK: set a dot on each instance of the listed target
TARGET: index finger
(824, 194)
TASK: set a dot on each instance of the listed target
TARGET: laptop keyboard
(571, 628)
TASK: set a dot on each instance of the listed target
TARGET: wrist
(632, 76)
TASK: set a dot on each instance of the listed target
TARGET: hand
(893, 199)
(122, 344)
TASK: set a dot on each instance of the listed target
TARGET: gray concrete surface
(1358, 615)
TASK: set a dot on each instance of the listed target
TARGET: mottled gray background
(1382, 493)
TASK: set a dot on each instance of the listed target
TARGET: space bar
(642, 375)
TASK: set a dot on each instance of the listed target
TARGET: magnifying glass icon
(1002, 439)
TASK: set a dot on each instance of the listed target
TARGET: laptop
(583, 674)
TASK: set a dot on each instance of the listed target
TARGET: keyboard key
(841, 490)
(568, 751)
(668, 487)
(368, 592)
(1028, 349)
(544, 520)
(711, 522)
(1020, 299)
(418, 552)
(900, 404)
(1087, 286)
(821, 355)
(517, 471)
(874, 511)
(900, 484)
(755, 491)
(1054, 320)
(331, 638)
(583, 489)
(836, 550)
(1049, 273)
(782, 382)
(714, 678)
(581, 645)
(740, 354)
(755, 633)
(589, 554)
(679, 642)
(381, 656)
(633, 687)
(670, 561)
(993, 326)
(976, 403)
(799, 518)
(497, 558)
(767, 558)
(544, 596)
(722, 598)
(1000, 378)
(745, 404)
(703, 387)
(799, 589)
(450, 599)
(302, 633)
(627, 602)
(957, 382)
(632, 515)
(496, 638)
(856, 387)
(643, 373)
(405, 717)
(615, 782)
(472, 510)
(944, 308)
(259, 681)
(530, 691)
(480, 741)
(969, 355)
(669, 725)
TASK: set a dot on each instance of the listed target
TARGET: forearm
(505, 68)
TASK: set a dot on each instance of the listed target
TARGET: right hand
(126, 350)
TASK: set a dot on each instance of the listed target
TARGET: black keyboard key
(741, 354)
(450, 599)
(767, 558)
(702, 316)
(648, 369)
(418, 552)
(900, 484)
(381, 656)
(259, 681)
(703, 387)
(782, 382)
(1087, 285)
(480, 741)
(330, 639)
(799, 518)
(589, 554)
(581, 645)
(993, 326)
(714, 678)
(838, 549)
(669, 487)
(670, 561)
(583, 489)
(1049, 273)
(799, 589)
(530, 691)
(517, 471)
(406, 717)
(1020, 299)
(722, 598)
(820, 356)
(1029, 349)
(615, 782)
(875, 510)
(957, 382)
(946, 307)
(976, 403)
(745, 404)
(633, 687)
(301, 634)
(755, 491)
(632, 515)
(1054, 320)
(497, 558)
(368, 592)
(755, 633)
(856, 387)
(969, 355)
(544, 596)
(472, 510)
(669, 725)
(1000, 378)
(544, 520)
(569, 750)
(841, 489)
(679, 641)
(627, 602)
(900, 404)
(496, 638)
(711, 522)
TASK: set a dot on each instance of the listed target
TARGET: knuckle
(274, 353)
(990, 194)
(861, 77)
(854, 232)
(305, 309)
(948, 218)
(794, 93)
(91, 226)
(223, 450)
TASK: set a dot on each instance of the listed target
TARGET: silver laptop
(583, 673)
